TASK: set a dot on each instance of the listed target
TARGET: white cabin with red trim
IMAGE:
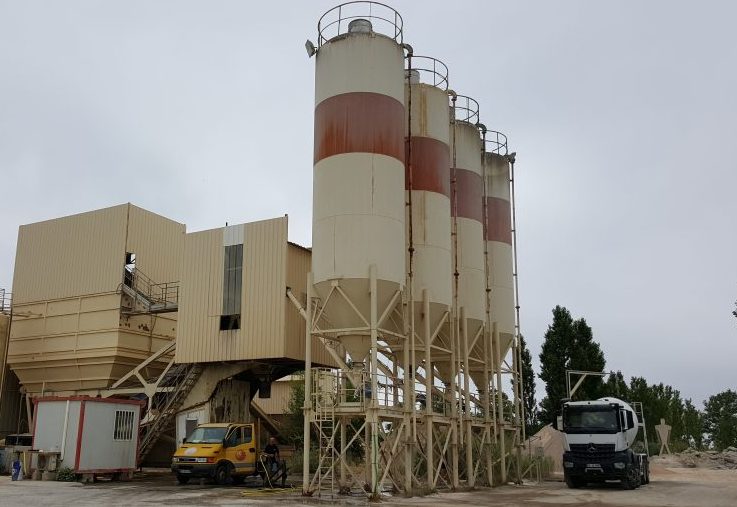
(92, 435)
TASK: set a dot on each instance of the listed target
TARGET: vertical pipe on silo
(307, 405)
(454, 310)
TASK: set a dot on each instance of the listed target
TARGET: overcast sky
(623, 115)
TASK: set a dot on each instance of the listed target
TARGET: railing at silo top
(496, 142)
(429, 70)
(384, 20)
(466, 110)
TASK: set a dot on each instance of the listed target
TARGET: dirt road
(670, 487)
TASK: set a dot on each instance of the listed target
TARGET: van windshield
(207, 436)
(587, 419)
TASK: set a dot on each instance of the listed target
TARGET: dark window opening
(130, 269)
(228, 322)
(232, 285)
(630, 420)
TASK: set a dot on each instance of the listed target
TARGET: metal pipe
(307, 407)
(500, 403)
(470, 476)
(374, 315)
(454, 310)
(430, 458)
(511, 158)
(64, 431)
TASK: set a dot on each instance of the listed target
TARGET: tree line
(569, 344)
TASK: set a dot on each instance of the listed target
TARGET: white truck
(598, 444)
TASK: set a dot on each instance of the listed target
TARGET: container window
(124, 425)
(232, 286)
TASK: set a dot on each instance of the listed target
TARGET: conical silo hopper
(499, 245)
(427, 184)
(358, 186)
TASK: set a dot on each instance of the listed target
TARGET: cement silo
(358, 190)
(500, 258)
(427, 183)
(467, 188)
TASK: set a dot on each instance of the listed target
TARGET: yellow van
(225, 452)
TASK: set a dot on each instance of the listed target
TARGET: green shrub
(66, 474)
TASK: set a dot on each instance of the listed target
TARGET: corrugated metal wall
(70, 256)
(158, 244)
(278, 403)
(262, 299)
(68, 333)
(9, 387)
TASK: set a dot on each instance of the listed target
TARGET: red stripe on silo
(469, 195)
(359, 122)
(430, 161)
(498, 220)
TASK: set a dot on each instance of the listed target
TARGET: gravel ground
(670, 487)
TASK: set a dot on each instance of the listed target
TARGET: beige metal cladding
(269, 323)
(358, 194)
(468, 210)
(499, 244)
(68, 332)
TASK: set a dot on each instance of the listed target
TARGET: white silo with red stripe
(499, 240)
(359, 173)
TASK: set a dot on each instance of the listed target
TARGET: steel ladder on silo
(324, 403)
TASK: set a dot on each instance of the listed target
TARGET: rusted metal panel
(359, 122)
(470, 191)
(498, 220)
(430, 160)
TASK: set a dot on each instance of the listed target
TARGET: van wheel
(182, 479)
(223, 474)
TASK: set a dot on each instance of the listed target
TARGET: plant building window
(232, 286)
(124, 424)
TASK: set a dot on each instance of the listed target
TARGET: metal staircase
(5, 301)
(146, 295)
(324, 401)
(177, 384)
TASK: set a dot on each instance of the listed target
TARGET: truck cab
(598, 443)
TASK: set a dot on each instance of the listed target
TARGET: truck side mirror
(559, 423)
(225, 442)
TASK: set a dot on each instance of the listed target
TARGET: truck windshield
(207, 436)
(587, 419)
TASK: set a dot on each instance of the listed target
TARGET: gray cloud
(623, 115)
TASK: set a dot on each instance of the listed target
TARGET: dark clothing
(272, 449)
(272, 457)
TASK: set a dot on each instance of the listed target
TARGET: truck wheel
(632, 481)
(574, 482)
(222, 474)
(182, 479)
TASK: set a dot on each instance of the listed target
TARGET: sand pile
(691, 458)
